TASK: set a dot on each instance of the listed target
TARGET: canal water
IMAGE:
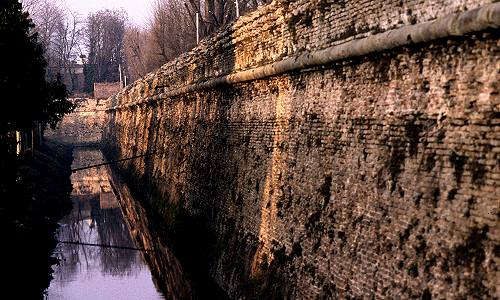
(87, 271)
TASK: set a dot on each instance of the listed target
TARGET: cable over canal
(111, 162)
(105, 246)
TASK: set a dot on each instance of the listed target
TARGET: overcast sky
(138, 10)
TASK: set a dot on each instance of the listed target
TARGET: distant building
(72, 77)
(104, 90)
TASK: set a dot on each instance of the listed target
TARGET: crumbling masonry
(333, 149)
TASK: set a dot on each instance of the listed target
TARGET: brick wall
(375, 177)
(104, 90)
(84, 126)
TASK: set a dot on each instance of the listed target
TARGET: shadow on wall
(179, 186)
(194, 188)
(332, 182)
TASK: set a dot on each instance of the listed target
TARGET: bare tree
(104, 36)
(218, 13)
(66, 45)
(60, 34)
(46, 17)
(172, 30)
(135, 42)
(31, 6)
(170, 33)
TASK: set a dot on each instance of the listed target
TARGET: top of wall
(285, 29)
(89, 104)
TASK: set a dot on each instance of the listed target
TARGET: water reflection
(97, 272)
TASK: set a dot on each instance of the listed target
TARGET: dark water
(93, 272)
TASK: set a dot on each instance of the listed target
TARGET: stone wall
(371, 177)
(104, 90)
(84, 125)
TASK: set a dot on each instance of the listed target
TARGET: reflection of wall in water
(96, 218)
(107, 200)
(92, 180)
(168, 273)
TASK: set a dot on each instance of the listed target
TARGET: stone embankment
(30, 210)
(83, 127)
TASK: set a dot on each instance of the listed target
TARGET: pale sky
(138, 10)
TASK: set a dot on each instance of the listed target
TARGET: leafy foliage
(25, 94)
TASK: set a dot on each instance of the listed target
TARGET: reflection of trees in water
(112, 231)
(91, 180)
(88, 223)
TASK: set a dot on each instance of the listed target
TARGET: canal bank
(29, 211)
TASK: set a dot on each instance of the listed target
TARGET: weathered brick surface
(286, 29)
(104, 90)
(84, 125)
(373, 178)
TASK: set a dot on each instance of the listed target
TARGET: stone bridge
(320, 149)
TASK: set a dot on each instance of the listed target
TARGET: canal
(97, 256)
